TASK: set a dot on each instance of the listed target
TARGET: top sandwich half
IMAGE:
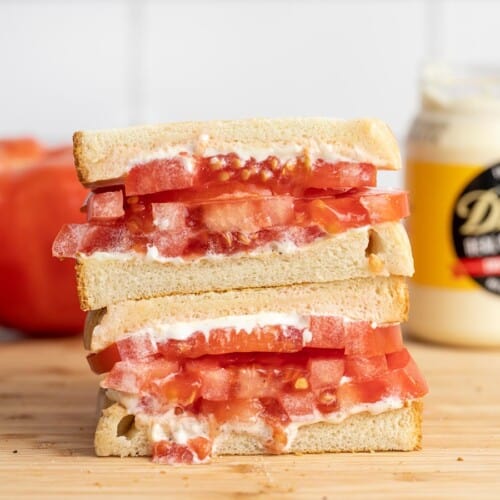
(278, 153)
(213, 206)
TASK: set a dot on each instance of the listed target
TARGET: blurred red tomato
(39, 191)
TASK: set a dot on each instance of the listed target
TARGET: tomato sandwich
(245, 282)
(193, 207)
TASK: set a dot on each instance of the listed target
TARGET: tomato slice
(169, 452)
(361, 339)
(383, 206)
(399, 359)
(132, 377)
(325, 374)
(292, 176)
(298, 403)
(237, 410)
(361, 368)
(105, 206)
(158, 175)
(103, 361)
(216, 382)
(328, 332)
(222, 226)
(169, 216)
(317, 372)
(201, 446)
(248, 216)
(136, 347)
(338, 214)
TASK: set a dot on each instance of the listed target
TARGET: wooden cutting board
(47, 418)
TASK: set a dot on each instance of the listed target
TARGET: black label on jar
(476, 230)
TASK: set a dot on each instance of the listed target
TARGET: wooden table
(47, 418)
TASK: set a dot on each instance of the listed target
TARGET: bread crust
(381, 300)
(393, 430)
(108, 154)
(381, 250)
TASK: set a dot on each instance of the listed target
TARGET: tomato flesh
(158, 175)
(221, 226)
(327, 332)
(280, 177)
(297, 380)
(278, 388)
(105, 206)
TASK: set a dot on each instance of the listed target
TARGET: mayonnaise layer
(283, 152)
(162, 331)
(182, 330)
(153, 255)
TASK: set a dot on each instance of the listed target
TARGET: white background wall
(67, 65)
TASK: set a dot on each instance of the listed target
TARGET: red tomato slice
(168, 452)
(226, 226)
(201, 446)
(103, 361)
(158, 175)
(129, 376)
(105, 206)
(362, 339)
(252, 382)
(169, 216)
(327, 332)
(238, 410)
(391, 337)
(361, 368)
(171, 243)
(338, 214)
(355, 393)
(399, 359)
(385, 206)
(215, 381)
(247, 216)
(223, 170)
(297, 404)
(325, 373)
(175, 389)
(341, 175)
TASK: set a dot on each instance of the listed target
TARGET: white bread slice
(108, 154)
(381, 250)
(393, 430)
(382, 300)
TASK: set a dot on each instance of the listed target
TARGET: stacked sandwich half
(246, 285)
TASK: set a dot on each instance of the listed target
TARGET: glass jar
(453, 175)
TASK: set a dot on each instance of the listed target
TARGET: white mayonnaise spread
(284, 153)
(182, 330)
(153, 255)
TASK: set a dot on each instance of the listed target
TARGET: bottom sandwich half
(299, 369)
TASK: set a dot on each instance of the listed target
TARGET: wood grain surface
(47, 418)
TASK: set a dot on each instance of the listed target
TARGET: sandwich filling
(191, 224)
(266, 380)
(293, 172)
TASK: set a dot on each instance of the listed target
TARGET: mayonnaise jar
(453, 175)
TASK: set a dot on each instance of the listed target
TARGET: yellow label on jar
(434, 190)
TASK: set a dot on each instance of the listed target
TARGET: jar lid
(459, 88)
